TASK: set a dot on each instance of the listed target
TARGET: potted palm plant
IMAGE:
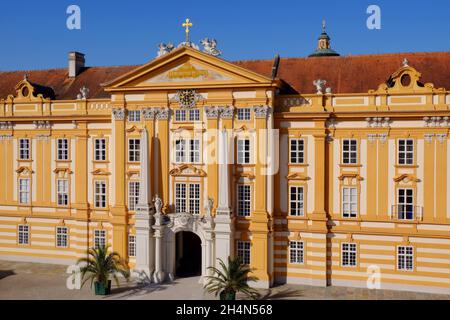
(231, 279)
(99, 266)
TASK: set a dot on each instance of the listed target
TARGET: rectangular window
(134, 115)
(100, 194)
(24, 149)
(405, 258)
(132, 245)
(194, 115)
(296, 201)
(297, 151)
(63, 192)
(99, 239)
(133, 195)
(24, 191)
(243, 251)
(405, 204)
(187, 198)
(349, 202)
(296, 253)
(243, 114)
(62, 234)
(180, 197)
(180, 115)
(24, 234)
(134, 150)
(406, 151)
(194, 198)
(100, 149)
(194, 151)
(244, 200)
(63, 149)
(243, 148)
(180, 151)
(350, 151)
(348, 254)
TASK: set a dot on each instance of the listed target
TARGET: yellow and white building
(190, 158)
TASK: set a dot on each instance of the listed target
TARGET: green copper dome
(323, 46)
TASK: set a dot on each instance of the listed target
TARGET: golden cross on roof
(187, 24)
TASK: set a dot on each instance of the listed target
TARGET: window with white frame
(187, 198)
(405, 258)
(100, 194)
(348, 253)
(194, 198)
(180, 197)
(406, 151)
(180, 151)
(99, 239)
(134, 115)
(133, 195)
(63, 149)
(24, 149)
(100, 149)
(23, 234)
(134, 150)
(187, 151)
(243, 251)
(349, 202)
(296, 252)
(194, 151)
(349, 151)
(296, 201)
(194, 115)
(243, 151)
(62, 234)
(24, 191)
(405, 204)
(62, 192)
(244, 200)
(132, 245)
(297, 153)
(180, 115)
(244, 114)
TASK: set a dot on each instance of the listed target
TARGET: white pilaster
(145, 242)
(223, 220)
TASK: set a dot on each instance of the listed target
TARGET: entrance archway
(188, 255)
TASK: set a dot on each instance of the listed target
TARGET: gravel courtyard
(31, 281)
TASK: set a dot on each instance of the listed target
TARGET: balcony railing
(406, 212)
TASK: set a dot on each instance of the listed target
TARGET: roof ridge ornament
(405, 63)
(164, 49)
(210, 47)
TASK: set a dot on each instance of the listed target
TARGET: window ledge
(298, 164)
(406, 166)
(350, 165)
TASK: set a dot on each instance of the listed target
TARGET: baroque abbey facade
(324, 170)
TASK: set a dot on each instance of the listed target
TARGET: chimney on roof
(76, 63)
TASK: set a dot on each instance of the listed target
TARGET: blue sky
(34, 33)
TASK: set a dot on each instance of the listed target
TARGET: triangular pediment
(186, 67)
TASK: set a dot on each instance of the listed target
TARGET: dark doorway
(188, 255)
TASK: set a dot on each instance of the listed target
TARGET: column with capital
(260, 224)
(119, 218)
(224, 221)
(145, 244)
(162, 149)
(212, 157)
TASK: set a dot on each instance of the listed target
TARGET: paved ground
(40, 281)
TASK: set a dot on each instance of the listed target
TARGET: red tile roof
(355, 74)
(345, 74)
